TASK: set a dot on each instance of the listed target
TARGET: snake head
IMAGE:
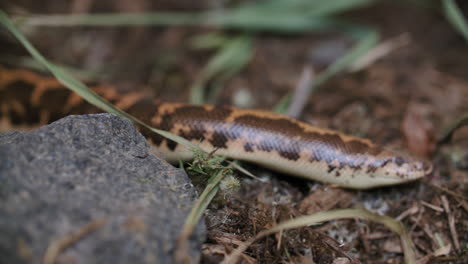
(401, 167)
(410, 167)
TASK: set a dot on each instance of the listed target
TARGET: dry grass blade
(301, 93)
(317, 218)
(451, 221)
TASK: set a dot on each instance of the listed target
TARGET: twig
(430, 234)
(433, 207)
(451, 220)
(412, 210)
(460, 198)
(449, 191)
(416, 220)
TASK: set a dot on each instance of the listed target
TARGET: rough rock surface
(78, 171)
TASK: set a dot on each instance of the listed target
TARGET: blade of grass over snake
(79, 87)
(367, 39)
(28, 62)
(455, 16)
(320, 217)
(82, 90)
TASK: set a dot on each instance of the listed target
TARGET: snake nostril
(399, 160)
(419, 166)
(427, 166)
(424, 166)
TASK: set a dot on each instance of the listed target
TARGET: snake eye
(399, 160)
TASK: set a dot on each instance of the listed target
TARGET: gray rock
(58, 179)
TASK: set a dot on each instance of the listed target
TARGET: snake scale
(268, 139)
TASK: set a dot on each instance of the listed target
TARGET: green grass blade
(230, 59)
(212, 40)
(273, 15)
(114, 20)
(455, 16)
(225, 19)
(181, 252)
(203, 201)
(364, 44)
(368, 39)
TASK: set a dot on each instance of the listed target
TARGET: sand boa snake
(271, 140)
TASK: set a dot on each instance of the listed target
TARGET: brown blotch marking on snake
(376, 164)
(144, 109)
(290, 155)
(84, 108)
(193, 133)
(352, 154)
(268, 135)
(52, 100)
(248, 147)
(20, 92)
(219, 140)
(171, 144)
(197, 119)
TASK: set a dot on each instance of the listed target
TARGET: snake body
(268, 139)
